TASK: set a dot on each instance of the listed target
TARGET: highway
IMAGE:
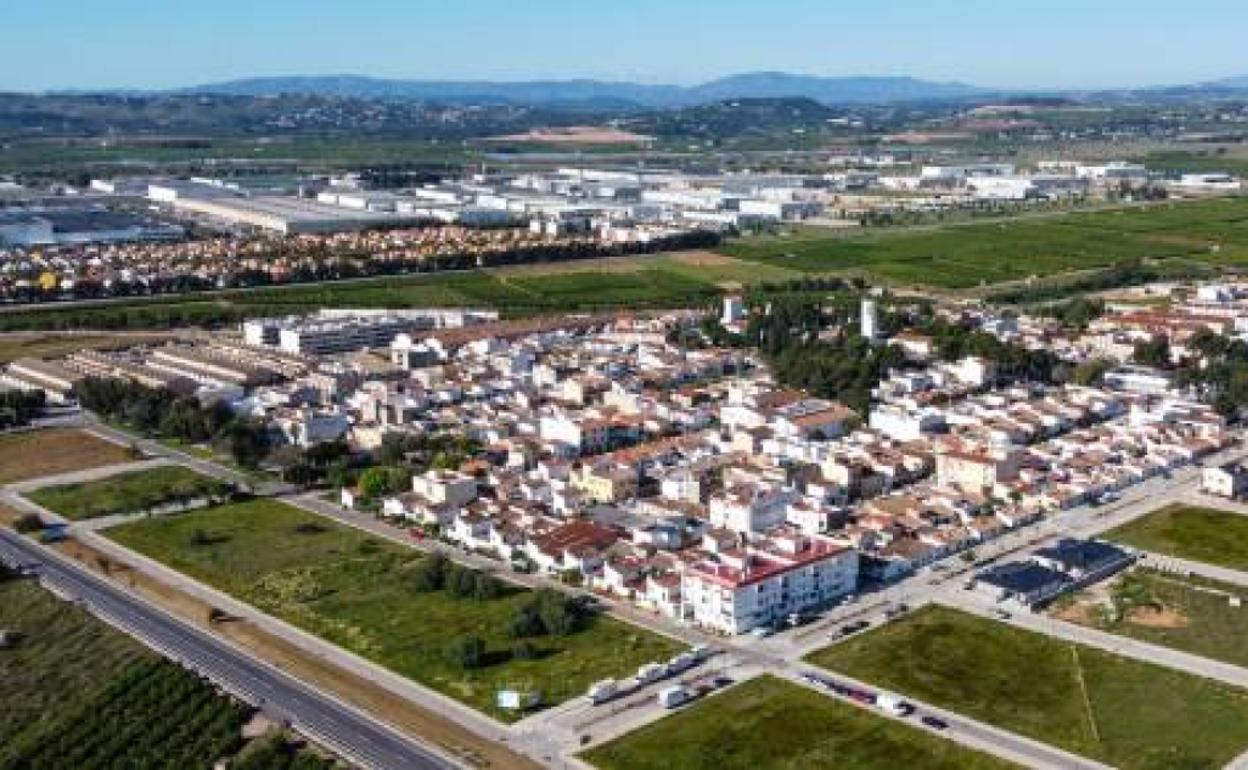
(335, 725)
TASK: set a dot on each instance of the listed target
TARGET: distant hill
(826, 90)
(836, 90)
(1238, 83)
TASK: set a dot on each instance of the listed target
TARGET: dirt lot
(32, 454)
(576, 135)
(621, 264)
(359, 692)
(15, 345)
(8, 516)
(1151, 617)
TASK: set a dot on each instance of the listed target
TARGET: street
(356, 737)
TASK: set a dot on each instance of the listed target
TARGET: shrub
(461, 581)
(487, 587)
(527, 623)
(429, 574)
(467, 652)
(525, 650)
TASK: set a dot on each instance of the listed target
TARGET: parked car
(762, 632)
(849, 629)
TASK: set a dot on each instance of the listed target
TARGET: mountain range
(863, 89)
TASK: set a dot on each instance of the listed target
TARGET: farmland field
(48, 452)
(359, 592)
(968, 255)
(126, 492)
(1189, 614)
(1124, 712)
(770, 724)
(79, 694)
(578, 289)
(1189, 532)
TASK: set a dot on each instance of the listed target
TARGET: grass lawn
(967, 255)
(1189, 614)
(769, 723)
(355, 591)
(1129, 714)
(126, 492)
(31, 454)
(79, 694)
(1190, 532)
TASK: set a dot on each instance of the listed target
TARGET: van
(672, 697)
(601, 692)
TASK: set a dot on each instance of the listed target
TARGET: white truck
(891, 704)
(671, 697)
(650, 672)
(601, 692)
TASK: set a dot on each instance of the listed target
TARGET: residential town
(685, 480)
(869, 390)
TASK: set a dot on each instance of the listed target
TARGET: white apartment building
(735, 591)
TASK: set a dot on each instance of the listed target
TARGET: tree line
(546, 612)
(162, 413)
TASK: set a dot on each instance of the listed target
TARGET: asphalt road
(333, 724)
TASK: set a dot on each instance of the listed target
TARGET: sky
(151, 44)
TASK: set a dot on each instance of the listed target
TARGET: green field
(132, 492)
(770, 724)
(514, 296)
(1189, 614)
(1189, 532)
(967, 255)
(1129, 714)
(357, 591)
(79, 694)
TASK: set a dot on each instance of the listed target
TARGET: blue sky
(1053, 43)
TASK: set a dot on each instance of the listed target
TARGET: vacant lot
(768, 723)
(22, 345)
(1190, 614)
(967, 255)
(1120, 711)
(359, 592)
(127, 492)
(726, 272)
(1190, 532)
(432, 727)
(79, 694)
(33, 454)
